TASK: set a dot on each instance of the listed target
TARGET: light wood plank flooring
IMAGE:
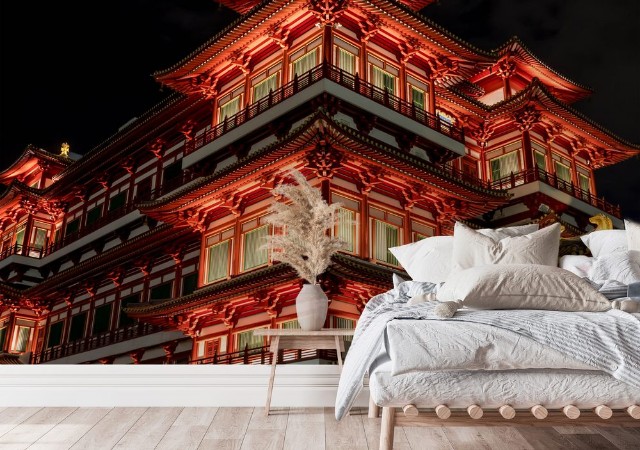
(284, 429)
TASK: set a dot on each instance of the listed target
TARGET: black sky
(76, 73)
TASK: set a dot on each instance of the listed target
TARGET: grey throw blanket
(607, 341)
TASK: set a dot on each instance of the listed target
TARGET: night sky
(76, 73)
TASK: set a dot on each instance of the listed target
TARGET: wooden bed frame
(538, 415)
(503, 416)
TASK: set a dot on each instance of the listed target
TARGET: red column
(432, 97)
(527, 151)
(327, 43)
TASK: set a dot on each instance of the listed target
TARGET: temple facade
(148, 248)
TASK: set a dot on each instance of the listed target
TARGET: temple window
(247, 339)
(418, 97)
(540, 160)
(161, 292)
(117, 201)
(217, 256)
(72, 227)
(346, 61)
(54, 337)
(503, 166)
(211, 347)
(305, 63)
(171, 172)
(20, 230)
(345, 228)
(189, 283)
(3, 336)
(384, 236)
(420, 231)
(78, 326)
(229, 109)
(123, 319)
(253, 253)
(39, 237)
(94, 214)
(262, 89)
(470, 166)
(585, 186)
(289, 325)
(102, 319)
(383, 79)
(563, 172)
(21, 339)
(343, 323)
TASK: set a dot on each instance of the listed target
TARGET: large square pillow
(522, 286)
(606, 241)
(429, 260)
(632, 230)
(471, 248)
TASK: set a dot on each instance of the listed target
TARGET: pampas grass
(307, 221)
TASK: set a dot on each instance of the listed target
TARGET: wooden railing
(344, 79)
(97, 341)
(24, 250)
(262, 355)
(536, 174)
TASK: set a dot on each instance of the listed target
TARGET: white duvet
(425, 345)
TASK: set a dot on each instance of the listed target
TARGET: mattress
(521, 389)
(428, 345)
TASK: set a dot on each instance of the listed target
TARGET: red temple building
(147, 249)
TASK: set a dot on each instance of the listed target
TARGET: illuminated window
(418, 97)
(20, 234)
(305, 63)
(229, 109)
(262, 89)
(346, 228)
(218, 261)
(383, 80)
(385, 236)
(247, 339)
(584, 183)
(503, 166)
(540, 160)
(254, 255)
(563, 172)
(347, 61)
(39, 238)
(21, 339)
(289, 325)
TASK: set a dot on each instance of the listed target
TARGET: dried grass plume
(307, 219)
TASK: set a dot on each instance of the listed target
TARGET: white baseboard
(169, 385)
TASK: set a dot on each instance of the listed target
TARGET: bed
(493, 367)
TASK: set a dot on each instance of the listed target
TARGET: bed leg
(374, 410)
(387, 428)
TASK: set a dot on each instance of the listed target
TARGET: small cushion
(632, 230)
(471, 248)
(623, 267)
(429, 260)
(522, 286)
(606, 241)
(577, 264)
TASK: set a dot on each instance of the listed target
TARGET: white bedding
(426, 345)
(521, 389)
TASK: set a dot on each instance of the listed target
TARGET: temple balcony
(537, 180)
(262, 355)
(331, 80)
(107, 344)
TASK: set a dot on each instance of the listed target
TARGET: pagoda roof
(539, 93)
(481, 199)
(227, 40)
(28, 159)
(244, 6)
(344, 266)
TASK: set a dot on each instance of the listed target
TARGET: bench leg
(387, 428)
(374, 410)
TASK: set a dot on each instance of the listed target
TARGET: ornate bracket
(324, 160)
(526, 118)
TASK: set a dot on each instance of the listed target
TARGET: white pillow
(577, 264)
(633, 235)
(620, 266)
(605, 242)
(471, 248)
(522, 286)
(429, 260)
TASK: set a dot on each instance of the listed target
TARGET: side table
(325, 339)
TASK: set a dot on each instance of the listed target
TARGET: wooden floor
(285, 428)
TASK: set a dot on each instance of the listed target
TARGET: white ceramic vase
(312, 305)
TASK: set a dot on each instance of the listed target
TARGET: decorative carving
(505, 67)
(55, 209)
(368, 177)
(117, 276)
(365, 122)
(442, 67)
(228, 313)
(327, 12)
(526, 117)
(177, 251)
(169, 349)
(136, 355)
(270, 301)
(240, 59)
(66, 296)
(144, 264)
(602, 222)
(327, 103)
(279, 129)
(104, 180)
(450, 209)
(279, 35)
(80, 192)
(206, 84)
(482, 132)
(411, 195)
(406, 141)
(234, 202)
(188, 324)
(324, 160)
(157, 147)
(187, 130)
(107, 360)
(553, 130)
(409, 48)
(64, 150)
(370, 26)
